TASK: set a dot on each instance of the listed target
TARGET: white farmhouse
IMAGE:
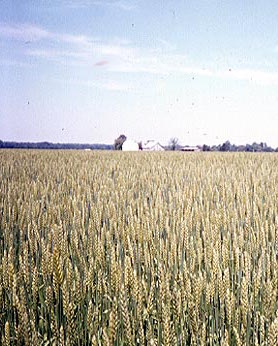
(151, 145)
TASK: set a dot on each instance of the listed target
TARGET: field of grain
(112, 248)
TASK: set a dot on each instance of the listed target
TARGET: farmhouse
(151, 145)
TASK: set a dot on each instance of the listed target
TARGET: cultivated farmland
(112, 248)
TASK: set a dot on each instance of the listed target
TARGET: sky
(86, 71)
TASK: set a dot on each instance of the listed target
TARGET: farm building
(151, 145)
(130, 145)
(190, 148)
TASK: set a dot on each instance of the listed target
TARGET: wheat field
(113, 248)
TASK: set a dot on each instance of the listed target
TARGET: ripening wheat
(112, 248)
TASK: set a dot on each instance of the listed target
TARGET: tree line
(48, 145)
(227, 146)
(172, 145)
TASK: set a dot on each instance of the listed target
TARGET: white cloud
(33, 33)
(121, 55)
(85, 55)
(123, 5)
(66, 45)
(110, 84)
(56, 54)
(114, 50)
(81, 40)
(114, 86)
(110, 4)
(154, 63)
(257, 76)
(179, 65)
(24, 32)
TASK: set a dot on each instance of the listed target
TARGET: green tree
(118, 143)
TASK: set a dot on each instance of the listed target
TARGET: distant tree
(206, 147)
(241, 148)
(118, 143)
(226, 146)
(173, 143)
(140, 144)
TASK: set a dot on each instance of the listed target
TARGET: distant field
(113, 248)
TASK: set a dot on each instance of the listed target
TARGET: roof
(151, 145)
(190, 148)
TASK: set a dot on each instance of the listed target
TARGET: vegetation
(113, 248)
(173, 143)
(55, 146)
(227, 146)
(118, 143)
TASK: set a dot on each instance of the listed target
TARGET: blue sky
(86, 71)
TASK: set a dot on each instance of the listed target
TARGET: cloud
(33, 33)
(123, 5)
(56, 54)
(109, 85)
(55, 45)
(152, 62)
(24, 32)
(114, 86)
(179, 65)
(110, 4)
(251, 75)
(82, 40)
(123, 56)
(114, 49)
(95, 53)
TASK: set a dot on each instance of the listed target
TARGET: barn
(190, 148)
(130, 145)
